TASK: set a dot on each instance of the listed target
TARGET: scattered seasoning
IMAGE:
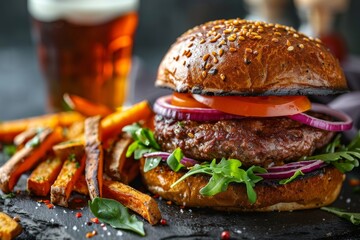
(49, 205)
(215, 60)
(275, 40)
(277, 33)
(192, 38)
(163, 222)
(221, 52)
(78, 214)
(169, 202)
(248, 50)
(288, 43)
(202, 41)
(296, 35)
(190, 45)
(241, 38)
(95, 220)
(291, 48)
(232, 49)
(225, 235)
(91, 234)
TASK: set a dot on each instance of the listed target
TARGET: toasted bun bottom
(313, 190)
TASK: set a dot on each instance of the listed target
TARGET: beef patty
(253, 141)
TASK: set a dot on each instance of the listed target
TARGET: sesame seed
(222, 76)
(215, 60)
(306, 39)
(236, 22)
(296, 35)
(214, 54)
(176, 58)
(241, 38)
(260, 30)
(202, 41)
(184, 63)
(311, 38)
(291, 48)
(277, 33)
(188, 54)
(318, 45)
(258, 37)
(248, 50)
(190, 45)
(203, 74)
(288, 43)
(255, 52)
(208, 66)
(232, 49)
(275, 40)
(221, 52)
(235, 30)
(231, 39)
(192, 38)
(318, 40)
(301, 46)
(206, 57)
(227, 31)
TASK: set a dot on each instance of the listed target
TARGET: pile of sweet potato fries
(82, 151)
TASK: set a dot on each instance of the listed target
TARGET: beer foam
(85, 12)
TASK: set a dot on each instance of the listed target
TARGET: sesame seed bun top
(241, 57)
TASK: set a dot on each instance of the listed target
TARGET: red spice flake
(163, 222)
(49, 205)
(95, 220)
(78, 214)
(46, 201)
(225, 235)
(354, 182)
(91, 234)
(78, 200)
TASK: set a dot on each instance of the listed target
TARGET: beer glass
(84, 48)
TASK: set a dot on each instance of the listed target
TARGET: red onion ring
(345, 124)
(163, 107)
(308, 166)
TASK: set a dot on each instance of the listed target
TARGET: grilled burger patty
(253, 141)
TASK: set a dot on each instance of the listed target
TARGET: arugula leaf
(354, 218)
(151, 163)
(9, 195)
(344, 158)
(223, 173)
(174, 160)
(144, 141)
(292, 178)
(115, 214)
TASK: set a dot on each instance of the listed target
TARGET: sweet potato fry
(85, 106)
(81, 186)
(137, 201)
(43, 176)
(25, 136)
(94, 156)
(9, 228)
(75, 131)
(112, 124)
(117, 166)
(9, 129)
(64, 149)
(65, 182)
(27, 157)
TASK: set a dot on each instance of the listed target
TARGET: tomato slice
(270, 106)
(185, 100)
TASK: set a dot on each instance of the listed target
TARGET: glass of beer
(84, 48)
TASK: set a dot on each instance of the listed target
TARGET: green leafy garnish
(223, 173)
(354, 218)
(9, 195)
(151, 163)
(144, 141)
(292, 178)
(174, 160)
(114, 213)
(344, 158)
(72, 157)
(34, 142)
(9, 150)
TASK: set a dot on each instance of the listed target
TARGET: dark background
(160, 22)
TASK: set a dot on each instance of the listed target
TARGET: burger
(239, 132)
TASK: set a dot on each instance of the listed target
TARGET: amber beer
(85, 48)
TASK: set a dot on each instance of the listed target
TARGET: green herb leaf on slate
(354, 218)
(114, 213)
